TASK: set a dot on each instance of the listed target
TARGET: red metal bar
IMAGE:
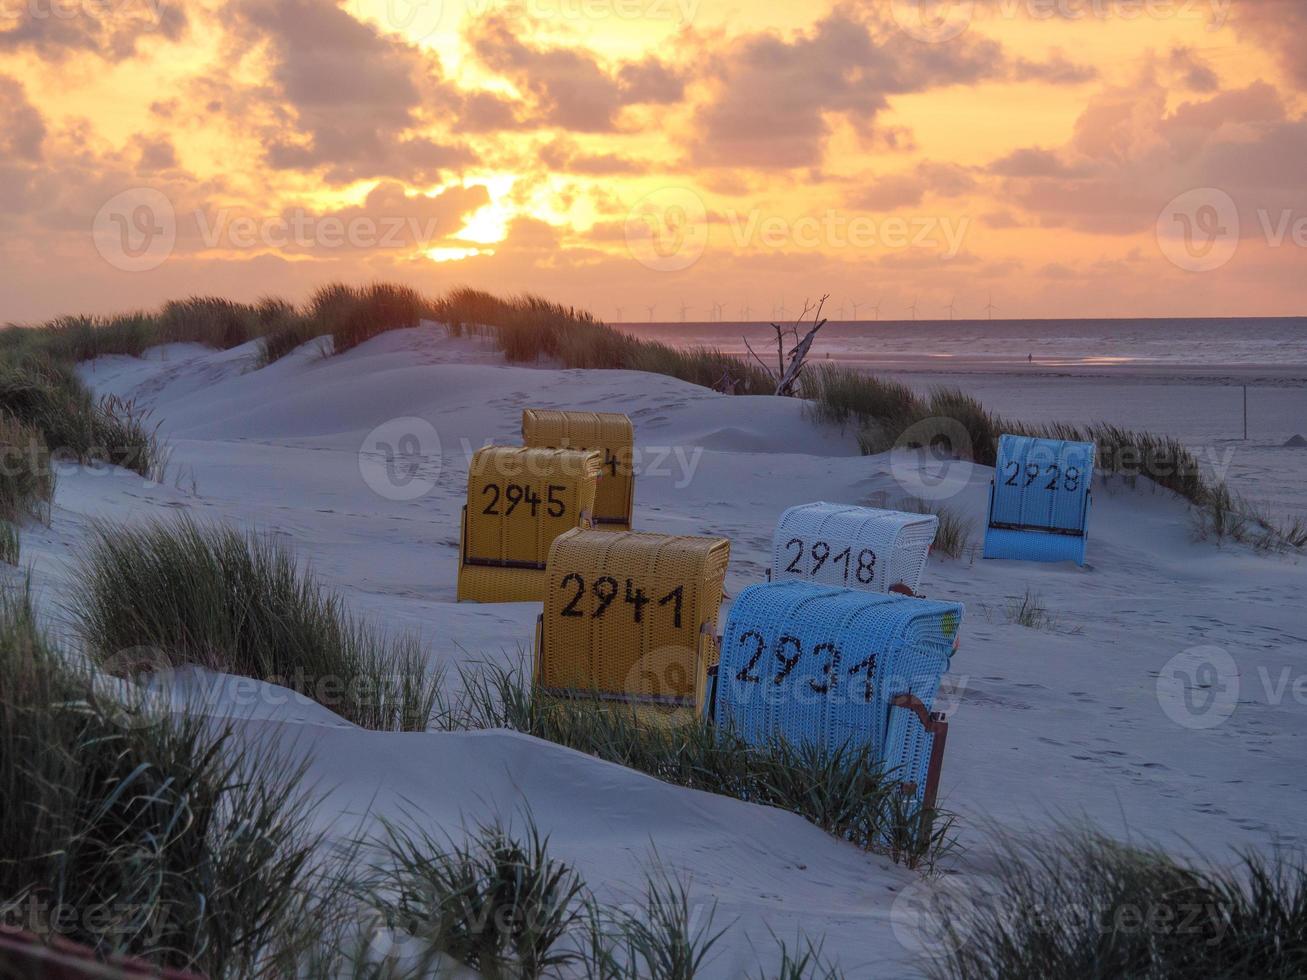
(23, 954)
(936, 724)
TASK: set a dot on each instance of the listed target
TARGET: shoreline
(1278, 375)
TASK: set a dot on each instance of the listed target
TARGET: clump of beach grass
(47, 396)
(1029, 611)
(27, 479)
(496, 902)
(162, 837)
(239, 603)
(1076, 904)
(353, 315)
(953, 537)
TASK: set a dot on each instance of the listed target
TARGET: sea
(1215, 346)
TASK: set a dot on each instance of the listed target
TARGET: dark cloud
(1031, 162)
(22, 129)
(568, 87)
(157, 153)
(563, 155)
(1192, 71)
(1057, 70)
(1279, 26)
(651, 81)
(1129, 156)
(113, 31)
(356, 98)
(487, 112)
(388, 219)
(774, 97)
(910, 189)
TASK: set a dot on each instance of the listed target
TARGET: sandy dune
(1047, 725)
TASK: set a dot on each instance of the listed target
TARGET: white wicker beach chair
(852, 547)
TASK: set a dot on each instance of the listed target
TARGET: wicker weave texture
(855, 547)
(608, 432)
(518, 501)
(1039, 504)
(631, 616)
(818, 665)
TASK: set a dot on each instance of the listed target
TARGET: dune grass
(11, 546)
(497, 902)
(47, 396)
(1029, 611)
(239, 603)
(27, 477)
(354, 315)
(141, 834)
(844, 792)
(953, 537)
(1080, 905)
(527, 328)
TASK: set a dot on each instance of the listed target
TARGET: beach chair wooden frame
(519, 501)
(610, 433)
(833, 667)
(852, 547)
(1039, 500)
(631, 617)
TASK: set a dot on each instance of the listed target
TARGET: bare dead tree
(789, 367)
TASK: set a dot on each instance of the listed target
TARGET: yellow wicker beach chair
(518, 501)
(631, 617)
(606, 431)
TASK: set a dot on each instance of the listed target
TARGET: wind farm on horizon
(717, 311)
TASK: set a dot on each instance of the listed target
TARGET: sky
(660, 159)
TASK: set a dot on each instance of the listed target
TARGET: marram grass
(186, 593)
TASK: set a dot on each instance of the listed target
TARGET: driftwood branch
(790, 372)
(758, 359)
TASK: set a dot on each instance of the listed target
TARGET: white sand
(1045, 725)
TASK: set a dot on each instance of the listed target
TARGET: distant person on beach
(1030, 358)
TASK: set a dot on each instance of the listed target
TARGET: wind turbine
(990, 308)
(744, 313)
(684, 310)
(950, 307)
(651, 307)
(913, 308)
(719, 311)
(875, 309)
(780, 310)
(855, 308)
(619, 315)
(841, 311)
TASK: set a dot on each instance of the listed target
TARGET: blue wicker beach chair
(832, 667)
(852, 547)
(1039, 500)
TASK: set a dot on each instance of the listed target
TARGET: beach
(1052, 726)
